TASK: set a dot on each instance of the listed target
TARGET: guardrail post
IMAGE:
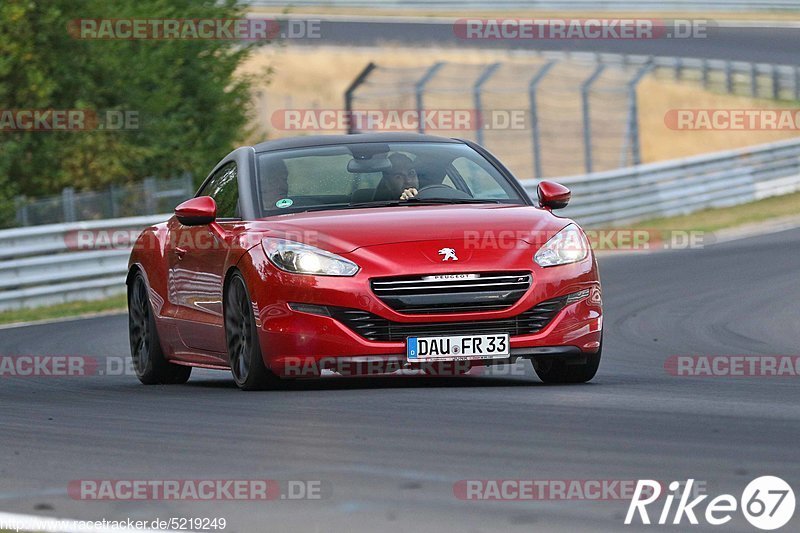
(535, 132)
(348, 94)
(587, 126)
(476, 96)
(68, 204)
(753, 80)
(632, 127)
(419, 91)
(729, 76)
(150, 196)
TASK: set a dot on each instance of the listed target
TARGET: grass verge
(70, 309)
(729, 217)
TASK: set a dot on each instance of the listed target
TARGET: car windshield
(378, 175)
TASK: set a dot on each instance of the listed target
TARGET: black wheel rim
(238, 324)
(139, 326)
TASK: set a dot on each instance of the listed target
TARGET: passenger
(274, 182)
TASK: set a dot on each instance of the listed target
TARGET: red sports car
(370, 251)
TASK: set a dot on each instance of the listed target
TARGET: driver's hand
(409, 193)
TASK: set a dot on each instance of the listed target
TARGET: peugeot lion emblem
(448, 253)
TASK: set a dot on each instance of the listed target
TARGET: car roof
(327, 140)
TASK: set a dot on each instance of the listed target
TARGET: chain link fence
(149, 197)
(545, 117)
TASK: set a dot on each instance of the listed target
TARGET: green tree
(191, 107)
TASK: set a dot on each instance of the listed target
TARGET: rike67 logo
(767, 503)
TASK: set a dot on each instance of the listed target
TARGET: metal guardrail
(44, 265)
(47, 265)
(682, 186)
(532, 5)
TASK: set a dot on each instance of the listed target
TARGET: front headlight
(299, 258)
(567, 246)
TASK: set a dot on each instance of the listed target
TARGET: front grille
(375, 328)
(456, 293)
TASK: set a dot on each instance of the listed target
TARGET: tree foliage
(191, 108)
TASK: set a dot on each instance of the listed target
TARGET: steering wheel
(445, 192)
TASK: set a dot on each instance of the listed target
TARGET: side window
(223, 187)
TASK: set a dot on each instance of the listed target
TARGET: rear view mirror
(368, 166)
(553, 195)
(197, 211)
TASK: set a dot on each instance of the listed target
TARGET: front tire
(241, 336)
(560, 371)
(148, 359)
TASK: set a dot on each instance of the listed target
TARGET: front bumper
(291, 339)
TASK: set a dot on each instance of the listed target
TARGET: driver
(400, 181)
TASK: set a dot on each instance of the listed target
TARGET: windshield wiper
(451, 201)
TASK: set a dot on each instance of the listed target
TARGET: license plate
(458, 347)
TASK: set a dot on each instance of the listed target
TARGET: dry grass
(378, 11)
(659, 142)
(316, 77)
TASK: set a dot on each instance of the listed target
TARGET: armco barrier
(38, 266)
(532, 5)
(682, 186)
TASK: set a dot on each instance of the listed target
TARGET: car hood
(344, 231)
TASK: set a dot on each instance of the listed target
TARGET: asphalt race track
(388, 450)
(752, 44)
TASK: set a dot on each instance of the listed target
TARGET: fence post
(348, 95)
(753, 80)
(22, 210)
(419, 90)
(776, 83)
(535, 133)
(797, 83)
(112, 195)
(729, 76)
(68, 204)
(632, 134)
(188, 183)
(476, 95)
(150, 196)
(587, 126)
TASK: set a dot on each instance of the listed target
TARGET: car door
(198, 263)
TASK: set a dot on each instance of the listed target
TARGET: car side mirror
(197, 211)
(553, 195)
